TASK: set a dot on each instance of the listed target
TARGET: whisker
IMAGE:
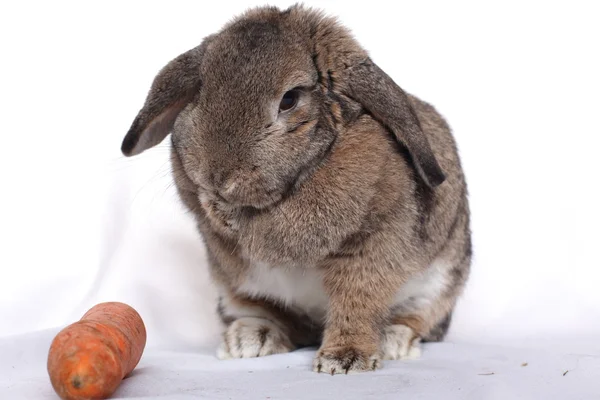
(252, 238)
(152, 179)
(237, 242)
(273, 200)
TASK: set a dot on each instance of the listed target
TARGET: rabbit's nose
(229, 188)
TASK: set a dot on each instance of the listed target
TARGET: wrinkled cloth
(565, 369)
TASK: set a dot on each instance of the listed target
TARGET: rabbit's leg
(402, 338)
(359, 297)
(253, 337)
(400, 342)
(256, 328)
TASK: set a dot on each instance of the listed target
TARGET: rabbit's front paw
(399, 343)
(253, 337)
(344, 360)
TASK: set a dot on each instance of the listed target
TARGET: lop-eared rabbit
(332, 204)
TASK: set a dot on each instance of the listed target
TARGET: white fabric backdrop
(79, 224)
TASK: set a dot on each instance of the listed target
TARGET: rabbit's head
(258, 106)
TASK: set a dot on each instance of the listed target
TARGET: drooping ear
(387, 102)
(172, 89)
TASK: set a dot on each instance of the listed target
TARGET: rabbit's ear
(172, 89)
(387, 102)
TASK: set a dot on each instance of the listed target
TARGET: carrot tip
(76, 382)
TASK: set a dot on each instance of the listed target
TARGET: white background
(518, 82)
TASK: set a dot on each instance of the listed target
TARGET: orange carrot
(89, 358)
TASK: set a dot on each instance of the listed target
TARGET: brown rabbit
(333, 205)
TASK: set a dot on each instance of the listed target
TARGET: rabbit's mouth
(244, 199)
(227, 208)
(255, 193)
(227, 218)
(228, 214)
(250, 198)
(221, 216)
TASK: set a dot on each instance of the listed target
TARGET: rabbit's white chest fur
(422, 290)
(300, 288)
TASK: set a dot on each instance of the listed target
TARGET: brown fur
(360, 183)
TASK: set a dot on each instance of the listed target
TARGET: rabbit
(332, 204)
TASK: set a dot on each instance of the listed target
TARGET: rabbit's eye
(289, 100)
